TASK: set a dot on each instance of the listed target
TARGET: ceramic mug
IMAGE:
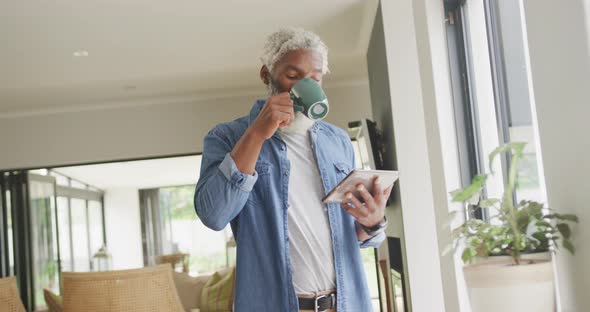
(309, 97)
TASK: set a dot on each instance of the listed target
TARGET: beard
(273, 87)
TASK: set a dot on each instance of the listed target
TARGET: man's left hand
(372, 211)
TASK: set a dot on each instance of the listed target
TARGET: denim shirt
(256, 207)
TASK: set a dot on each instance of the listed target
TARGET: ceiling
(139, 174)
(150, 48)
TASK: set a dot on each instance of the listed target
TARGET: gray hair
(290, 39)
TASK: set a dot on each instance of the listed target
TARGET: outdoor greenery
(206, 264)
(368, 256)
(178, 200)
(515, 228)
(176, 204)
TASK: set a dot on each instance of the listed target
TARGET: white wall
(560, 71)
(166, 127)
(587, 6)
(123, 227)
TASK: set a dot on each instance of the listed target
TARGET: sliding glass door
(46, 228)
(81, 229)
(6, 251)
(29, 234)
(44, 236)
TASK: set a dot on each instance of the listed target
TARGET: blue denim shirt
(256, 207)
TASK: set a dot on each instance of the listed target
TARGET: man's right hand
(276, 112)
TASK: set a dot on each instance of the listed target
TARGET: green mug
(309, 98)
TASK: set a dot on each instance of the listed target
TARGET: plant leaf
(466, 256)
(543, 223)
(565, 230)
(569, 246)
(452, 215)
(455, 192)
(565, 217)
(517, 147)
(447, 250)
(470, 191)
(568, 217)
(533, 208)
(486, 203)
(522, 220)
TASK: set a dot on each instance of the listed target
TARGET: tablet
(366, 177)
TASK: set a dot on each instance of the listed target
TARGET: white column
(425, 146)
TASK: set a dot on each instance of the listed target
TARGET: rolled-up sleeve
(230, 171)
(374, 241)
(222, 190)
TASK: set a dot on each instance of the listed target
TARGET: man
(266, 174)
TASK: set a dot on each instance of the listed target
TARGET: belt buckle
(315, 303)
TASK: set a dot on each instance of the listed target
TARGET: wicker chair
(148, 289)
(9, 297)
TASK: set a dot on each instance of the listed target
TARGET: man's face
(293, 66)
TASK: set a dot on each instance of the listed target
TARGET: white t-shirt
(310, 240)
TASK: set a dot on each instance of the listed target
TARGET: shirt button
(282, 147)
(286, 173)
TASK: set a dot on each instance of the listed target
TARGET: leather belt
(319, 303)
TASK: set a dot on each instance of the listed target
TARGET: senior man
(266, 173)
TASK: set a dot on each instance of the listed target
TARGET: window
(43, 222)
(492, 91)
(65, 237)
(95, 227)
(171, 226)
(43, 236)
(207, 255)
(81, 225)
(6, 228)
(370, 265)
(513, 94)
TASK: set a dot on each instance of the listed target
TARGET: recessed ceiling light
(81, 53)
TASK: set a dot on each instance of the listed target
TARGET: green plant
(524, 227)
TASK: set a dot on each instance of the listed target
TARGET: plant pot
(498, 285)
(525, 256)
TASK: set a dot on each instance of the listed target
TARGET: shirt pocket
(342, 170)
(263, 169)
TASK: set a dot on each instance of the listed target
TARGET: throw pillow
(218, 293)
(53, 301)
(189, 289)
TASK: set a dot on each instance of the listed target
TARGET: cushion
(218, 292)
(53, 301)
(189, 289)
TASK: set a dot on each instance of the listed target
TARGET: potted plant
(507, 267)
